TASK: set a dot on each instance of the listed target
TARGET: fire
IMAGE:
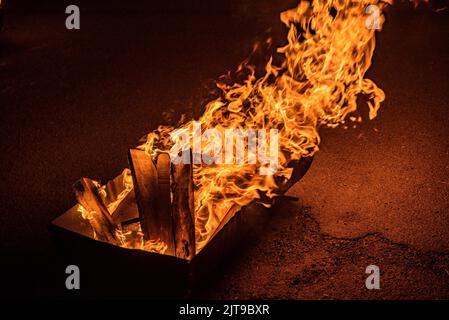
(316, 83)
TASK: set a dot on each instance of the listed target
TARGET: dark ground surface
(73, 103)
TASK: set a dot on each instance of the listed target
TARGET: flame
(316, 83)
(133, 238)
(322, 72)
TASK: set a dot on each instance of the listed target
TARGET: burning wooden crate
(159, 205)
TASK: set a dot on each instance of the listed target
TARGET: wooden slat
(155, 221)
(183, 210)
(101, 221)
(163, 203)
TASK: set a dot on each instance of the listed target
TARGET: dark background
(73, 102)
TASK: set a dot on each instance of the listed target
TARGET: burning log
(87, 195)
(183, 210)
(152, 190)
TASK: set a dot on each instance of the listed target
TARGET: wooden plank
(155, 223)
(163, 203)
(183, 210)
(101, 221)
(144, 176)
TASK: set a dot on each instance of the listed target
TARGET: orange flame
(321, 73)
(328, 52)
